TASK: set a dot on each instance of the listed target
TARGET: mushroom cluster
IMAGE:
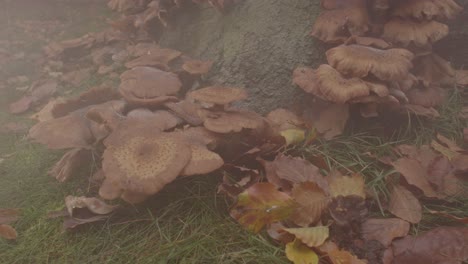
(384, 59)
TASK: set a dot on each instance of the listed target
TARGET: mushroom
(231, 121)
(197, 67)
(281, 119)
(155, 57)
(433, 69)
(164, 119)
(108, 114)
(335, 26)
(217, 95)
(368, 41)
(339, 4)
(427, 97)
(203, 161)
(426, 9)
(187, 111)
(419, 33)
(69, 163)
(360, 61)
(145, 86)
(142, 161)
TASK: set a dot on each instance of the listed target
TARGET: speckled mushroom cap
(143, 162)
(360, 61)
(333, 86)
(218, 95)
(231, 121)
(426, 9)
(147, 86)
(419, 33)
(334, 26)
(197, 67)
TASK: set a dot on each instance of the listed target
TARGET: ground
(186, 223)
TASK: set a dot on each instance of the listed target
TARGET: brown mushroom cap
(163, 119)
(306, 79)
(339, 4)
(427, 97)
(200, 136)
(218, 95)
(110, 189)
(426, 9)
(148, 86)
(433, 69)
(368, 41)
(197, 67)
(283, 119)
(334, 26)
(144, 162)
(187, 111)
(108, 114)
(232, 121)
(360, 61)
(333, 86)
(203, 161)
(420, 33)
(155, 57)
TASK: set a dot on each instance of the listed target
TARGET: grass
(187, 222)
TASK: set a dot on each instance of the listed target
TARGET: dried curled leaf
(70, 163)
(299, 253)
(341, 185)
(260, 205)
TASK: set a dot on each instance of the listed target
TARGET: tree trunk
(257, 44)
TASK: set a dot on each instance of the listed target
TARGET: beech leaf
(8, 232)
(8, 216)
(415, 174)
(260, 205)
(384, 230)
(341, 185)
(338, 256)
(405, 205)
(311, 201)
(311, 236)
(293, 136)
(299, 253)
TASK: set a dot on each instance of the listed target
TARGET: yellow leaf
(293, 136)
(346, 185)
(8, 232)
(311, 236)
(299, 253)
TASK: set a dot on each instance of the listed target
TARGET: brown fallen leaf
(94, 205)
(463, 220)
(384, 230)
(415, 174)
(465, 134)
(405, 205)
(418, 110)
(441, 245)
(461, 77)
(260, 205)
(311, 236)
(8, 232)
(277, 232)
(45, 113)
(341, 185)
(21, 106)
(8, 216)
(329, 120)
(338, 256)
(449, 143)
(311, 201)
(70, 222)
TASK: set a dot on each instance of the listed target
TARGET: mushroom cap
(203, 161)
(144, 162)
(148, 86)
(427, 97)
(433, 69)
(339, 4)
(333, 86)
(306, 79)
(201, 136)
(334, 26)
(163, 119)
(110, 189)
(155, 57)
(218, 95)
(108, 114)
(420, 33)
(368, 41)
(360, 61)
(283, 119)
(232, 121)
(426, 9)
(197, 67)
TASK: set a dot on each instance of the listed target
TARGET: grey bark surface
(257, 45)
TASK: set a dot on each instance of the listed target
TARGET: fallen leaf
(461, 77)
(260, 205)
(93, 204)
(311, 236)
(449, 143)
(440, 245)
(299, 253)
(441, 175)
(70, 222)
(384, 230)
(338, 256)
(21, 106)
(450, 154)
(43, 90)
(465, 134)
(463, 220)
(8, 216)
(415, 174)
(405, 205)
(293, 136)
(297, 170)
(311, 201)
(8, 232)
(341, 185)
(331, 121)
(418, 110)
(45, 113)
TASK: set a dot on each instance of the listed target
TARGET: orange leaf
(8, 232)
